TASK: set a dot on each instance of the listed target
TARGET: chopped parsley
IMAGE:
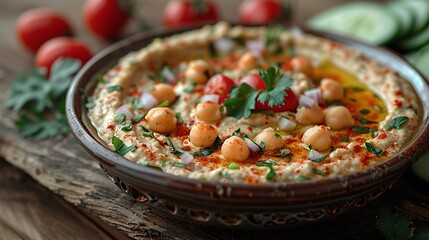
(301, 178)
(147, 133)
(397, 122)
(120, 147)
(361, 129)
(137, 118)
(226, 175)
(261, 145)
(268, 163)
(233, 166)
(146, 164)
(373, 150)
(218, 142)
(175, 150)
(114, 88)
(164, 104)
(364, 120)
(242, 99)
(128, 126)
(320, 172)
(285, 154)
(120, 118)
(178, 165)
(345, 138)
(364, 111)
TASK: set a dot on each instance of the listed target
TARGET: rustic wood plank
(41, 214)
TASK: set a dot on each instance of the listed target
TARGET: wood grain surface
(63, 193)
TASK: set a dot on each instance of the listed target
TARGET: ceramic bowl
(242, 205)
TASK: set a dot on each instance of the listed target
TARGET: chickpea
(198, 71)
(203, 135)
(338, 117)
(161, 120)
(331, 90)
(164, 92)
(313, 115)
(319, 137)
(303, 65)
(235, 149)
(208, 112)
(270, 138)
(248, 61)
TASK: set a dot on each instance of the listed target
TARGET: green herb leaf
(120, 147)
(147, 133)
(242, 100)
(345, 138)
(114, 88)
(226, 175)
(137, 118)
(364, 120)
(233, 166)
(394, 226)
(285, 154)
(320, 172)
(364, 111)
(175, 150)
(128, 126)
(397, 122)
(120, 118)
(146, 164)
(218, 142)
(41, 101)
(164, 104)
(360, 129)
(268, 163)
(178, 164)
(373, 150)
(301, 178)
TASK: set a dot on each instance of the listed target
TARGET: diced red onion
(315, 94)
(168, 74)
(305, 146)
(186, 158)
(313, 155)
(256, 47)
(148, 101)
(252, 146)
(125, 110)
(224, 45)
(210, 98)
(306, 101)
(286, 124)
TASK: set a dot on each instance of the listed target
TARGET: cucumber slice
(413, 42)
(421, 12)
(421, 61)
(366, 21)
(404, 15)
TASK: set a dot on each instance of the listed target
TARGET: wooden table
(54, 190)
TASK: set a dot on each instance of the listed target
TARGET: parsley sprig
(40, 102)
(242, 99)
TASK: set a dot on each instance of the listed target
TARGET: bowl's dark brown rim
(339, 186)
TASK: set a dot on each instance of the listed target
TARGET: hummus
(253, 105)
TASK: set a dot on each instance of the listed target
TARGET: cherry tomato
(36, 26)
(219, 84)
(187, 12)
(291, 103)
(255, 81)
(259, 11)
(61, 47)
(105, 18)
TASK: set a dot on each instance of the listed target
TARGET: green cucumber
(421, 61)
(366, 21)
(404, 14)
(421, 13)
(413, 42)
